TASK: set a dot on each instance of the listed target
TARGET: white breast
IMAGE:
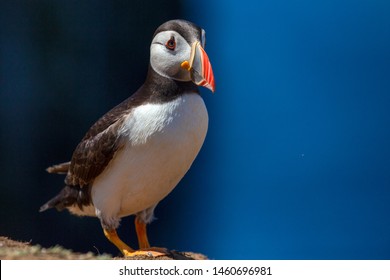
(162, 141)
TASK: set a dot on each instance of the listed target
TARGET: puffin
(136, 154)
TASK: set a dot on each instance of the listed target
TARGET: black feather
(69, 196)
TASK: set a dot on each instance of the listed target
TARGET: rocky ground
(17, 250)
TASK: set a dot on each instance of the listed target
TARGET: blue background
(296, 164)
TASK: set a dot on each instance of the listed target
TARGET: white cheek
(160, 62)
(167, 63)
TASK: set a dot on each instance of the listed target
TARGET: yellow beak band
(186, 65)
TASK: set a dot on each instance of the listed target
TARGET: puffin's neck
(164, 89)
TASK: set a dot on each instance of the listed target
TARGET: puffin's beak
(200, 67)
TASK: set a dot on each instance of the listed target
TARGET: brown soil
(16, 250)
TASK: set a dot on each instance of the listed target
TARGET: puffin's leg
(127, 251)
(112, 235)
(141, 220)
(140, 228)
(109, 225)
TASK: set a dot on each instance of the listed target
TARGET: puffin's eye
(171, 43)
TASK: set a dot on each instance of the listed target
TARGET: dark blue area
(296, 164)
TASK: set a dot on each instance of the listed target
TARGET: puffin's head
(177, 53)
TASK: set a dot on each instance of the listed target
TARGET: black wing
(101, 142)
(98, 146)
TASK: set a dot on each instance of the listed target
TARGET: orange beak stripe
(200, 67)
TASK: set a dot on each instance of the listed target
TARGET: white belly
(161, 142)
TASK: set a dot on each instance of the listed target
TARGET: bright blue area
(297, 159)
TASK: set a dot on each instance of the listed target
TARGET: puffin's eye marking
(171, 44)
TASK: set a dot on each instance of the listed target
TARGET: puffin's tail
(68, 196)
